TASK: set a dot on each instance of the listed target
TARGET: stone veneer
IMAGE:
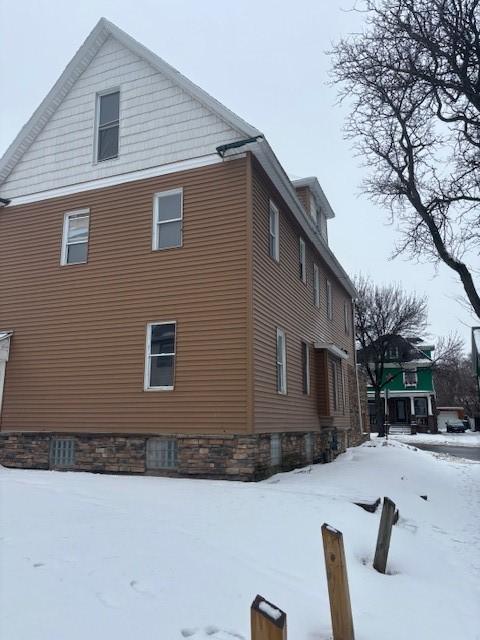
(234, 457)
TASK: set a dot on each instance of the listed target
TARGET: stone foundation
(234, 457)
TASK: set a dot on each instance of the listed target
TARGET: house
(170, 303)
(407, 386)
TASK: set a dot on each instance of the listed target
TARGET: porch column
(412, 407)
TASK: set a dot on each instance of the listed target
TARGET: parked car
(456, 426)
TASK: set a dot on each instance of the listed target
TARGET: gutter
(4, 202)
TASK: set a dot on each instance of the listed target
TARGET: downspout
(360, 416)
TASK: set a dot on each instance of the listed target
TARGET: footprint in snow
(143, 592)
(211, 631)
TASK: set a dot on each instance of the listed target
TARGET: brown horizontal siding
(77, 354)
(282, 300)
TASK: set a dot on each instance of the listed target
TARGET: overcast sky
(266, 61)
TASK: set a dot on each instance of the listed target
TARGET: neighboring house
(408, 390)
(168, 295)
(447, 414)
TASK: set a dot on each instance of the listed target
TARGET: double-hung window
(410, 378)
(167, 219)
(316, 285)
(160, 356)
(305, 368)
(281, 362)
(346, 317)
(274, 232)
(302, 260)
(329, 300)
(75, 237)
(108, 125)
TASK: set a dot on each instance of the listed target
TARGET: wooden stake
(268, 622)
(340, 608)
(384, 535)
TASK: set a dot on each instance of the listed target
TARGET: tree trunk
(380, 413)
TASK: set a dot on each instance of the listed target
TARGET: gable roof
(77, 65)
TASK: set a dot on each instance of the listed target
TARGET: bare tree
(386, 318)
(413, 79)
(455, 382)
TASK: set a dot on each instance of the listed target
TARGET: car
(456, 426)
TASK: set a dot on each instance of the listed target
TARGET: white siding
(159, 124)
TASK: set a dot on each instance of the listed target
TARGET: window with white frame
(302, 260)
(393, 352)
(167, 219)
(281, 362)
(274, 233)
(410, 378)
(161, 453)
(329, 300)
(346, 316)
(275, 450)
(305, 368)
(316, 285)
(160, 356)
(75, 237)
(108, 125)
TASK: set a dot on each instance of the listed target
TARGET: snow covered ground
(467, 439)
(116, 557)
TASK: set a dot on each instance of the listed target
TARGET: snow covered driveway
(116, 558)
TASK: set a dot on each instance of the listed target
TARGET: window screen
(108, 125)
(168, 219)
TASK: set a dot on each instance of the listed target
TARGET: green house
(408, 390)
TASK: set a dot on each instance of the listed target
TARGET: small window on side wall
(160, 356)
(161, 453)
(167, 219)
(329, 300)
(108, 125)
(75, 237)
(305, 368)
(281, 363)
(302, 259)
(274, 233)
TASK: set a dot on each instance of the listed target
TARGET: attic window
(108, 111)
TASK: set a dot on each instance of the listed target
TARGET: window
(322, 226)
(160, 356)
(108, 114)
(346, 317)
(329, 300)
(410, 378)
(62, 452)
(337, 384)
(309, 447)
(393, 353)
(75, 237)
(302, 261)
(281, 362)
(275, 450)
(316, 286)
(274, 236)
(421, 407)
(305, 368)
(161, 453)
(313, 207)
(167, 219)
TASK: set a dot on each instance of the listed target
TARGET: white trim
(410, 386)
(302, 259)
(272, 208)
(332, 348)
(66, 223)
(346, 317)
(316, 285)
(156, 223)
(283, 362)
(101, 183)
(148, 357)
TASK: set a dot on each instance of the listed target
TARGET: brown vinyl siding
(281, 299)
(78, 351)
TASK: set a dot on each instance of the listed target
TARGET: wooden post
(384, 535)
(340, 608)
(268, 622)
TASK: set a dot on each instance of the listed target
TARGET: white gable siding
(159, 124)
